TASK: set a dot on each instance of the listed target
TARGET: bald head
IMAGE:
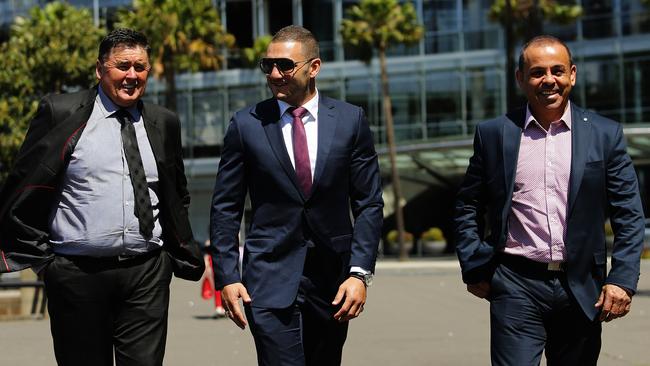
(540, 41)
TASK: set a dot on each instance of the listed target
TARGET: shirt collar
(311, 106)
(566, 116)
(108, 107)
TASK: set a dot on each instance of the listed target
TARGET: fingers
(230, 296)
(614, 301)
(354, 292)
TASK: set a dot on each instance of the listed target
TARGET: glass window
(484, 95)
(405, 99)
(635, 17)
(209, 121)
(602, 89)
(479, 32)
(637, 95)
(440, 26)
(443, 103)
(363, 91)
(317, 16)
(240, 97)
(280, 14)
(598, 19)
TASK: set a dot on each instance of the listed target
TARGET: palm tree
(379, 24)
(184, 36)
(524, 19)
(252, 55)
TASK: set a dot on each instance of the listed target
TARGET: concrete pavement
(418, 314)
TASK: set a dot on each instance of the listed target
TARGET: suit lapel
(70, 129)
(154, 134)
(510, 141)
(580, 137)
(269, 113)
(326, 128)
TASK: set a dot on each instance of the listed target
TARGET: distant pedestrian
(547, 177)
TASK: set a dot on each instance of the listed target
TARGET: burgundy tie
(300, 150)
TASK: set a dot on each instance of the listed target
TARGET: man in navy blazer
(546, 178)
(308, 165)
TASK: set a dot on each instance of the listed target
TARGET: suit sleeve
(626, 216)
(365, 198)
(473, 252)
(21, 244)
(227, 208)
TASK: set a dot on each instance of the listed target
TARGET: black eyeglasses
(285, 65)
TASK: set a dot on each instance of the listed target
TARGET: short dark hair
(296, 33)
(122, 37)
(542, 40)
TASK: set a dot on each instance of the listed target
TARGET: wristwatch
(365, 277)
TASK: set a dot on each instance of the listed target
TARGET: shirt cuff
(356, 269)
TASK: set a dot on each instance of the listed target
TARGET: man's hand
(353, 290)
(614, 302)
(230, 295)
(481, 289)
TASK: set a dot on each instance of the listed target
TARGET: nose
(275, 73)
(548, 78)
(131, 74)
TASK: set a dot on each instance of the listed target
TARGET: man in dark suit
(308, 164)
(97, 203)
(547, 177)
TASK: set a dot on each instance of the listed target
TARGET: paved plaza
(418, 314)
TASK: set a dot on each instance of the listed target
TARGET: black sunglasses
(285, 65)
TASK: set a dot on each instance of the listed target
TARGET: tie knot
(123, 115)
(298, 112)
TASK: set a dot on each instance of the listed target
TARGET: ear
(519, 75)
(314, 68)
(98, 69)
(574, 70)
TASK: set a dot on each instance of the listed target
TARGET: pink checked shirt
(537, 221)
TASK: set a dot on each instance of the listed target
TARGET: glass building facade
(441, 87)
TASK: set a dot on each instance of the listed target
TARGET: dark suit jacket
(28, 195)
(284, 221)
(602, 184)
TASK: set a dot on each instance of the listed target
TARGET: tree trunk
(390, 136)
(535, 22)
(169, 73)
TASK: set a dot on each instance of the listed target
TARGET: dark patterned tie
(143, 210)
(300, 150)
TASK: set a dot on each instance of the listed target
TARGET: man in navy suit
(308, 164)
(546, 178)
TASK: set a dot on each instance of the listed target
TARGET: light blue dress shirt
(94, 215)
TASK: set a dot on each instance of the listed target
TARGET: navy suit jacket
(602, 184)
(28, 195)
(283, 222)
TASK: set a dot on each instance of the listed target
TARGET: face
(547, 79)
(295, 87)
(123, 76)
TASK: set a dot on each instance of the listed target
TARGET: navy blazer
(602, 184)
(346, 182)
(30, 191)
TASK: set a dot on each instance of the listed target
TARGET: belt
(525, 265)
(112, 260)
